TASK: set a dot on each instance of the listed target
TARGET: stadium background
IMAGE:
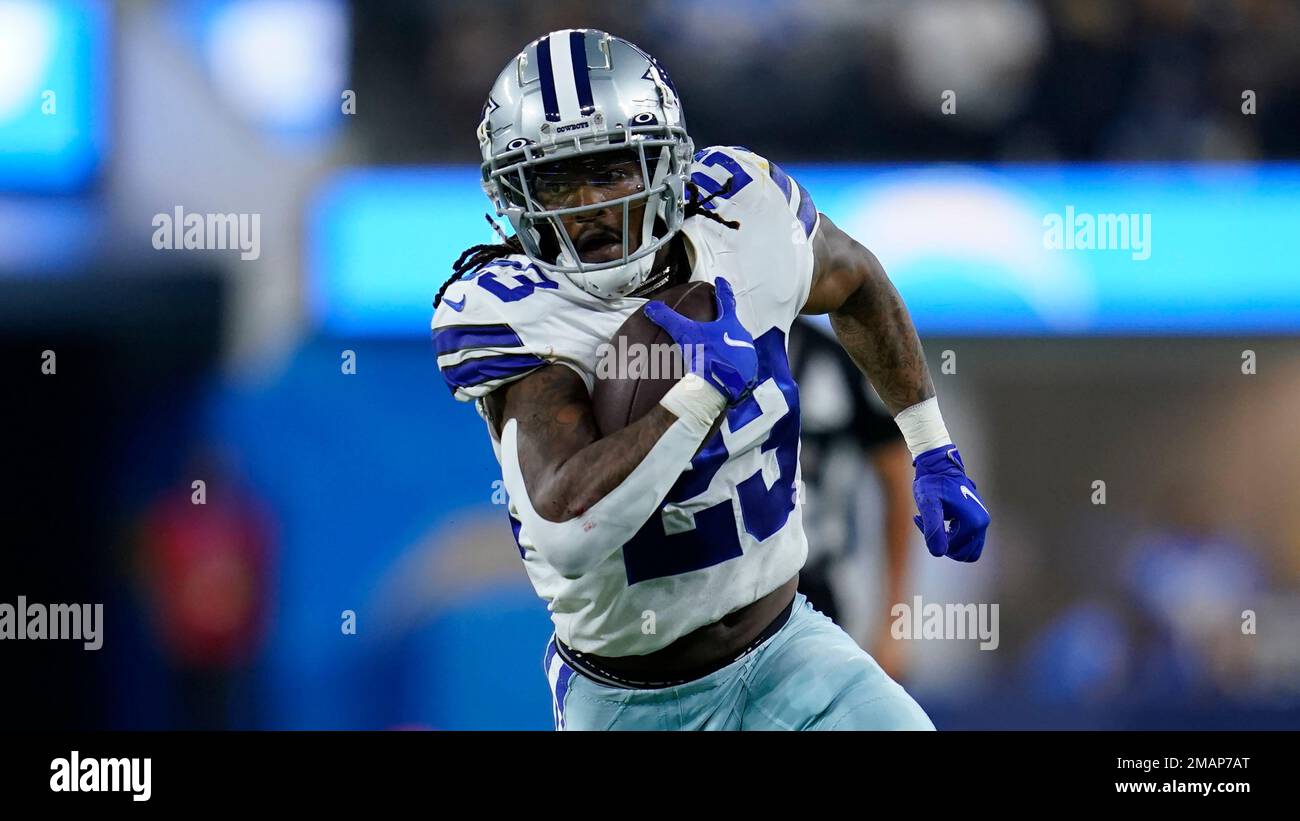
(374, 492)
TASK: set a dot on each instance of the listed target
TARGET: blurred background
(351, 565)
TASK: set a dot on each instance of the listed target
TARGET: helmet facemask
(660, 154)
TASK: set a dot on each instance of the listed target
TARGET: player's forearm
(614, 509)
(589, 475)
(876, 330)
(567, 465)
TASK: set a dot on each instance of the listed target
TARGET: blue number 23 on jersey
(653, 553)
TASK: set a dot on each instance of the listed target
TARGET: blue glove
(723, 351)
(944, 492)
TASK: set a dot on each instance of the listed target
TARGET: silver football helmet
(575, 93)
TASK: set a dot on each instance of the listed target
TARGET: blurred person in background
(204, 563)
(1191, 586)
(843, 425)
(1068, 79)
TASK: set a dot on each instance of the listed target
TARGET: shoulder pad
(756, 183)
(480, 328)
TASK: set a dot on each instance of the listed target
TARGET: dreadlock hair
(476, 256)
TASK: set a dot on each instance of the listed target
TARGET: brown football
(619, 399)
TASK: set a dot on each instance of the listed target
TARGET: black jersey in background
(842, 419)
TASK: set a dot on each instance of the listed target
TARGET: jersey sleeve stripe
(807, 211)
(782, 180)
(477, 372)
(459, 337)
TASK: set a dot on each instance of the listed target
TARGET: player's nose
(590, 195)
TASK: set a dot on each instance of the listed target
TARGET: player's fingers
(961, 541)
(724, 297)
(966, 538)
(665, 317)
(970, 547)
(966, 508)
(932, 528)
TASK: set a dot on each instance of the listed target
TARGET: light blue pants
(810, 675)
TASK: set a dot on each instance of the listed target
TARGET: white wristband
(693, 399)
(922, 427)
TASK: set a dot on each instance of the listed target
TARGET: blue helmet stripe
(581, 74)
(546, 74)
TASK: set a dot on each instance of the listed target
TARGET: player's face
(597, 235)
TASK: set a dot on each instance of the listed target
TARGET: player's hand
(945, 494)
(721, 351)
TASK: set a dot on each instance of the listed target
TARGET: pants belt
(599, 674)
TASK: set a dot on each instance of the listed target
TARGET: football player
(669, 554)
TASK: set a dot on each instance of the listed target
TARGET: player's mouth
(600, 246)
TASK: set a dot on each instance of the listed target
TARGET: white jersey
(729, 531)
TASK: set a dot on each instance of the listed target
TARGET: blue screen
(53, 83)
(1026, 250)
